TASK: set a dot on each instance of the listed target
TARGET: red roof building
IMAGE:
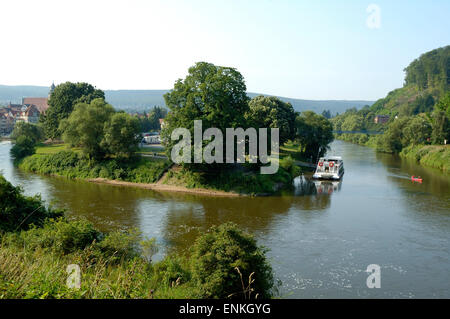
(41, 103)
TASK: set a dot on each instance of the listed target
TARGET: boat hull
(328, 176)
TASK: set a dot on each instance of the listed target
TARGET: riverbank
(48, 256)
(434, 156)
(159, 174)
(165, 188)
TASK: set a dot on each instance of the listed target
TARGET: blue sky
(300, 49)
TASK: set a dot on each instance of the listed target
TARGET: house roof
(40, 102)
(31, 109)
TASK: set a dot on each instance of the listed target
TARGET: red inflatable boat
(416, 179)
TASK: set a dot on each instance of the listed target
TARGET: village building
(29, 112)
(41, 103)
(381, 119)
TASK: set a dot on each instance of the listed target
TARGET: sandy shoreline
(165, 188)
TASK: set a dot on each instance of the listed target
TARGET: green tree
(62, 101)
(32, 131)
(326, 114)
(219, 254)
(353, 122)
(444, 104)
(214, 94)
(392, 141)
(18, 211)
(85, 127)
(441, 127)
(24, 146)
(314, 133)
(416, 131)
(271, 112)
(121, 135)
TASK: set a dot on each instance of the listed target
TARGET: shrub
(18, 211)
(60, 236)
(119, 244)
(24, 146)
(221, 256)
(172, 270)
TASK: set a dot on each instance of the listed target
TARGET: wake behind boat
(331, 167)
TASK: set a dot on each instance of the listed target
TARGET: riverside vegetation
(101, 142)
(419, 115)
(38, 243)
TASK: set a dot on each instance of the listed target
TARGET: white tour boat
(331, 167)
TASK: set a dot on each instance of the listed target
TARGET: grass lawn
(291, 149)
(54, 148)
(151, 150)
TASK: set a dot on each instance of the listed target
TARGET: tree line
(217, 96)
(79, 115)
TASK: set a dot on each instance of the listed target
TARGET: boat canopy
(330, 158)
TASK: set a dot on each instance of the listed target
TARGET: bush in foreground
(228, 263)
(34, 259)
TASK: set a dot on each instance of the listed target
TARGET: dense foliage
(228, 263)
(18, 211)
(34, 132)
(271, 112)
(214, 94)
(62, 101)
(23, 146)
(430, 70)
(75, 165)
(37, 244)
(314, 133)
(100, 131)
(419, 113)
(247, 180)
(25, 136)
(150, 121)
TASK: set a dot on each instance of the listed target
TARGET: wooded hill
(143, 100)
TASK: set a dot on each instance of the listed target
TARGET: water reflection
(321, 236)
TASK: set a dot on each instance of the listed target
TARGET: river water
(321, 237)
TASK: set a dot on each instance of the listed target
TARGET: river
(321, 237)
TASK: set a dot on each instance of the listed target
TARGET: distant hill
(427, 79)
(139, 100)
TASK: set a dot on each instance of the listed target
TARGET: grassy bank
(71, 164)
(360, 139)
(435, 156)
(37, 245)
(244, 179)
(246, 182)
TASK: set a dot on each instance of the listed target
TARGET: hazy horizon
(296, 49)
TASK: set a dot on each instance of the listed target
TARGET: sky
(323, 50)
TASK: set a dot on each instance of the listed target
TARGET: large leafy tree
(121, 135)
(85, 127)
(314, 133)
(392, 141)
(32, 131)
(271, 112)
(441, 127)
(62, 101)
(151, 120)
(417, 130)
(214, 94)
